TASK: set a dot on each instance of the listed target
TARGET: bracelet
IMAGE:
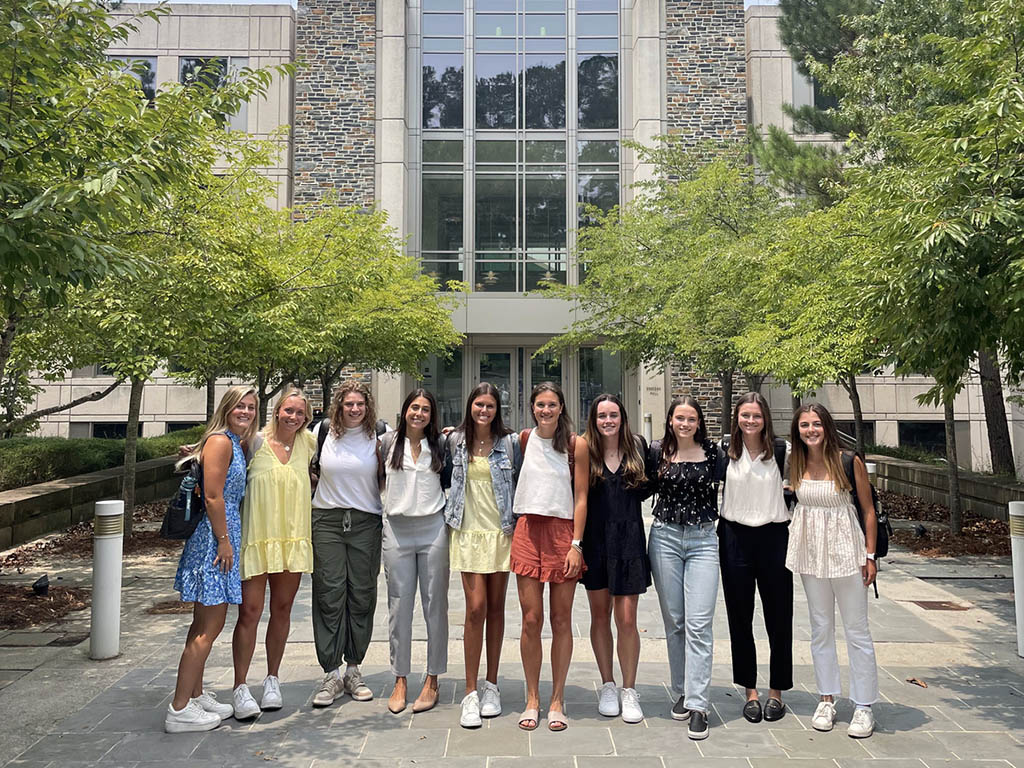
(221, 538)
(871, 555)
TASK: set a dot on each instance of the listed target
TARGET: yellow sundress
(276, 526)
(479, 546)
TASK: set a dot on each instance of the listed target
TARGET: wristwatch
(871, 555)
(577, 544)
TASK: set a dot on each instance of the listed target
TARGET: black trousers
(757, 557)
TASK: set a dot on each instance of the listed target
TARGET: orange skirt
(539, 547)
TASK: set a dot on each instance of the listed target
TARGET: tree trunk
(262, 382)
(995, 414)
(794, 402)
(211, 397)
(955, 515)
(130, 443)
(754, 382)
(726, 379)
(858, 413)
(7, 342)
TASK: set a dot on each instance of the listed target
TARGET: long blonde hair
(219, 423)
(334, 415)
(831, 449)
(270, 431)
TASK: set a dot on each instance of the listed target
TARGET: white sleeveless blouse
(825, 539)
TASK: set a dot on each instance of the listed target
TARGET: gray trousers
(346, 562)
(416, 550)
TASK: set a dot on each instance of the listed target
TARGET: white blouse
(753, 492)
(544, 486)
(348, 471)
(415, 489)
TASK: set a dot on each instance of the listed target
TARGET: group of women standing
(550, 506)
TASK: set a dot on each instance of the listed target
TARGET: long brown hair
(632, 461)
(564, 428)
(668, 442)
(432, 432)
(335, 414)
(831, 449)
(498, 428)
(767, 431)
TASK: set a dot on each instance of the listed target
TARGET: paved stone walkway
(58, 708)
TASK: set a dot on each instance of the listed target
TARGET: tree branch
(92, 397)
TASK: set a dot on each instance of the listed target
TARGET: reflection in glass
(598, 91)
(495, 151)
(442, 213)
(495, 25)
(545, 45)
(443, 377)
(547, 25)
(600, 372)
(213, 72)
(545, 210)
(496, 90)
(502, 44)
(496, 367)
(144, 69)
(597, 5)
(545, 91)
(598, 151)
(443, 44)
(495, 276)
(508, 6)
(442, 24)
(598, 25)
(545, 272)
(601, 190)
(447, 151)
(442, 5)
(545, 367)
(442, 90)
(545, 5)
(495, 207)
(597, 45)
(545, 152)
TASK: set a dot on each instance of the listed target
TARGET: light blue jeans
(684, 560)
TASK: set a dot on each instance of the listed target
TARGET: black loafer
(752, 711)
(774, 710)
(679, 711)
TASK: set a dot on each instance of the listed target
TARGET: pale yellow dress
(479, 546)
(276, 516)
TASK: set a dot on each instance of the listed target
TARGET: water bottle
(188, 485)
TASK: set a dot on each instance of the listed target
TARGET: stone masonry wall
(706, 390)
(706, 68)
(335, 42)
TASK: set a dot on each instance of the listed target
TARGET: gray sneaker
(355, 687)
(331, 688)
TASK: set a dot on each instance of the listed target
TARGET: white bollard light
(1017, 552)
(648, 427)
(107, 547)
(872, 469)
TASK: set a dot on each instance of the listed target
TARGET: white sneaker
(191, 718)
(208, 701)
(355, 687)
(271, 698)
(471, 711)
(824, 716)
(331, 688)
(631, 712)
(862, 724)
(490, 701)
(246, 707)
(608, 701)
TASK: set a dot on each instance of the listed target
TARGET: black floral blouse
(687, 490)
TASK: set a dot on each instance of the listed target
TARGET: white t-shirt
(753, 492)
(544, 486)
(348, 471)
(415, 489)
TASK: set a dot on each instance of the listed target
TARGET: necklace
(287, 448)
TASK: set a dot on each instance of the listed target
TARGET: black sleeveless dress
(614, 543)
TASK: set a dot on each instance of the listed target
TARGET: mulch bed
(76, 542)
(20, 607)
(980, 536)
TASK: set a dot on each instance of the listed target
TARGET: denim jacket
(503, 460)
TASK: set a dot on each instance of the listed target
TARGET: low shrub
(907, 453)
(31, 460)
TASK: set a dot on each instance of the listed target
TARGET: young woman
(478, 471)
(547, 546)
(276, 547)
(415, 544)
(208, 570)
(346, 541)
(836, 563)
(684, 555)
(614, 547)
(752, 538)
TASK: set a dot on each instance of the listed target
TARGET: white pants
(852, 596)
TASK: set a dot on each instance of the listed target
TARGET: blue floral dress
(198, 579)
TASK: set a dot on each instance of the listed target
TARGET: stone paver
(58, 708)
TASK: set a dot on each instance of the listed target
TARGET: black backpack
(884, 526)
(187, 507)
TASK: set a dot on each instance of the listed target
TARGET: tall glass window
(441, 229)
(215, 71)
(526, 180)
(600, 372)
(443, 377)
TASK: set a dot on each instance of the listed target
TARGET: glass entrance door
(499, 368)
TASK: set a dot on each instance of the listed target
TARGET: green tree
(818, 29)
(84, 156)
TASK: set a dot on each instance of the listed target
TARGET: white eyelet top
(825, 539)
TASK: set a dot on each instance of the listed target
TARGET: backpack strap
(387, 442)
(780, 457)
(321, 438)
(572, 459)
(524, 437)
